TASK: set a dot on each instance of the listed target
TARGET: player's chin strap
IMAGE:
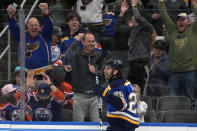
(100, 104)
(113, 77)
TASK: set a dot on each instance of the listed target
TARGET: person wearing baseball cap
(160, 43)
(182, 60)
(10, 105)
(182, 22)
(43, 94)
(17, 78)
(46, 101)
(158, 72)
(182, 16)
(8, 89)
(44, 90)
(10, 93)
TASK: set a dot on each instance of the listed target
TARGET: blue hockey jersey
(37, 50)
(68, 39)
(109, 20)
(127, 115)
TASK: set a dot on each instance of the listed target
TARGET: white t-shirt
(92, 12)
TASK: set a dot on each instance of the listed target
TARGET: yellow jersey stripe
(123, 101)
(127, 83)
(124, 118)
(105, 91)
(64, 38)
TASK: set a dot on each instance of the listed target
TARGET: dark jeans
(183, 79)
(137, 73)
(186, 80)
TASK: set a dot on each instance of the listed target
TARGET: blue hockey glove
(100, 91)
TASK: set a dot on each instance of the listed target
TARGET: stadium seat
(179, 116)
(150, 116)
(166, 103)
(157, 90)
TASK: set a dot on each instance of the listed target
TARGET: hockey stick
(100, 104)
(147, 80)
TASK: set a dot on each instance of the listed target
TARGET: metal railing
(7, 49)
(22, 61)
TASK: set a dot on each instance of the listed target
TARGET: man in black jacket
(83, 66)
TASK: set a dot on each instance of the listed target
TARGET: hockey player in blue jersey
(120, 97)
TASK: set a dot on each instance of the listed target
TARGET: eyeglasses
(159, 48)
(181, 19)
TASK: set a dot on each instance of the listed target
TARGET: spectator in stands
(59, 78)
(9, 105)
(67, 4)
(142, 106)
(158, 60)
(139, 47)
(37, 40)
(73, 22)
(152, 15)
(70, 35)
(15, 83)
(55, 50)
(120, 97)
(122, 29)
(128, 14)
(58, 14)
(83, 62)
(174, 7)
(108, 34)
(182, 58)
(90, 12)
(3, 17)
(46, 101)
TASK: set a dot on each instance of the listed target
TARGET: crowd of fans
(66, 55)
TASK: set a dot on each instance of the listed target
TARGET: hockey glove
(100, 91)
